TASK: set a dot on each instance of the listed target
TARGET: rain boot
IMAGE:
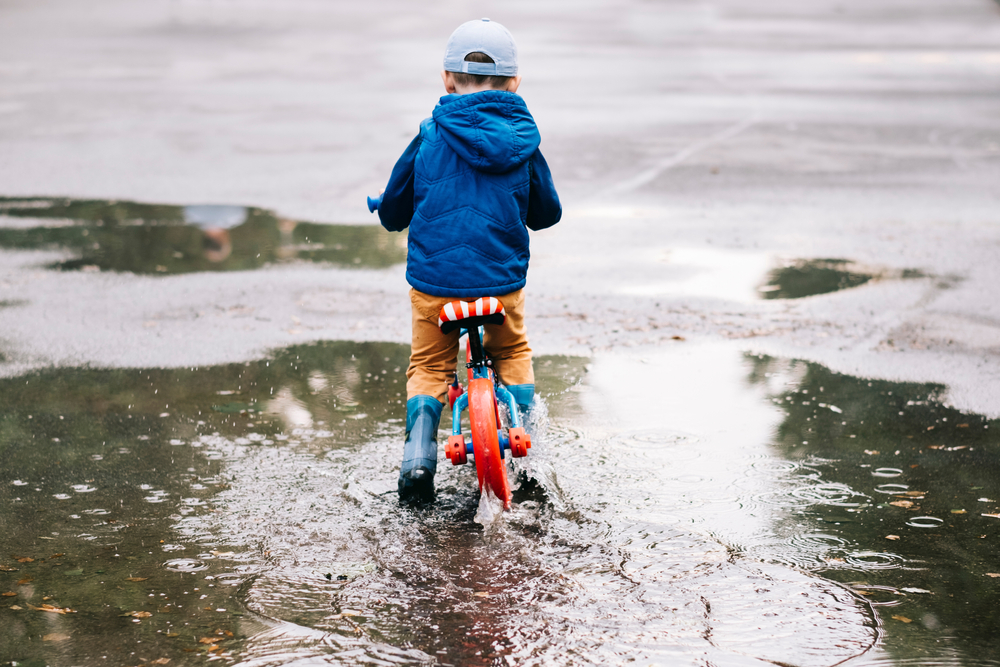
(416, 474)
(524, 395)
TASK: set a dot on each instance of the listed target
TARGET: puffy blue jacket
(468, 187)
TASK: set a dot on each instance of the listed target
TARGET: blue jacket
(469, 187)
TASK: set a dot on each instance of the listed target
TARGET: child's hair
(494, 82)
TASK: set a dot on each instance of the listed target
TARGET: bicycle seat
(471, 314)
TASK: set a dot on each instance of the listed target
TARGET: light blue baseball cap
(484, 36)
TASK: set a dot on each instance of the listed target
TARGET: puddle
(161, 239)
(692, 506)
(808, 277)
(747, 276)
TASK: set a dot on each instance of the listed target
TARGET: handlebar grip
(372, 204)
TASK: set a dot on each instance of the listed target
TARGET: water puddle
(747, 276)
(161, 239)
(807, 277)
(695, 505)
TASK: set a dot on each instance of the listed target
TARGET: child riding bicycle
(469, 186)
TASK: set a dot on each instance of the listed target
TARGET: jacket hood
(492, 130)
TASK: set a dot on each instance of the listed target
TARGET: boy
(467, 187)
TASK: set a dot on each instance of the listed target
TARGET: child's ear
(449, 82)
(513, 84)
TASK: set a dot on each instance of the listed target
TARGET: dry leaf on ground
(53, 609)
(903, 619)
(892, 537)
(55, 637)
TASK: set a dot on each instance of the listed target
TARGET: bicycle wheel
(485, 442)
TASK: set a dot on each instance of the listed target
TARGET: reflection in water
(153, 239)
(929, 536)
(253, 506)
(737, 275)
(807, 277)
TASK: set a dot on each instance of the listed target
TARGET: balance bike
(491, 436)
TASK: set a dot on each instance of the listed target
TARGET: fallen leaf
(935, 446)
(53, 609)
(136, 578)
(26, 580)
(25, 559)
(914, 494)
(958, 511)
(901, 503)
(57, 555)
(207, 640)
(139, 614)
(7, 568)
(173, 634)
(871, 452)
(992, 574)
(55, 637)
(160, 661)
(16, 607)
(993, 516)
(929, 428)
(961, 426)
(903, 619)
(892, 537)
(677, 338)
(9, 594)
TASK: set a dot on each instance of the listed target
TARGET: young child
(469, 187)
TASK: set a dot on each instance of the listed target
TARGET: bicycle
(490, 436)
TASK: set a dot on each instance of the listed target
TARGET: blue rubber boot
(524, 394)
(416, 474)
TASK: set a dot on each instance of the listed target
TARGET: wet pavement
(767, 339)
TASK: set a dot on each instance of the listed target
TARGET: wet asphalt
(744, 186)
(696, 147)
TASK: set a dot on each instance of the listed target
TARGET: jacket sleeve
(544, 209)
(395, 206)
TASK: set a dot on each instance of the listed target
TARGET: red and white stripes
(460, 310)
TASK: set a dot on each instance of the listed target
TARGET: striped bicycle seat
(469, 314)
